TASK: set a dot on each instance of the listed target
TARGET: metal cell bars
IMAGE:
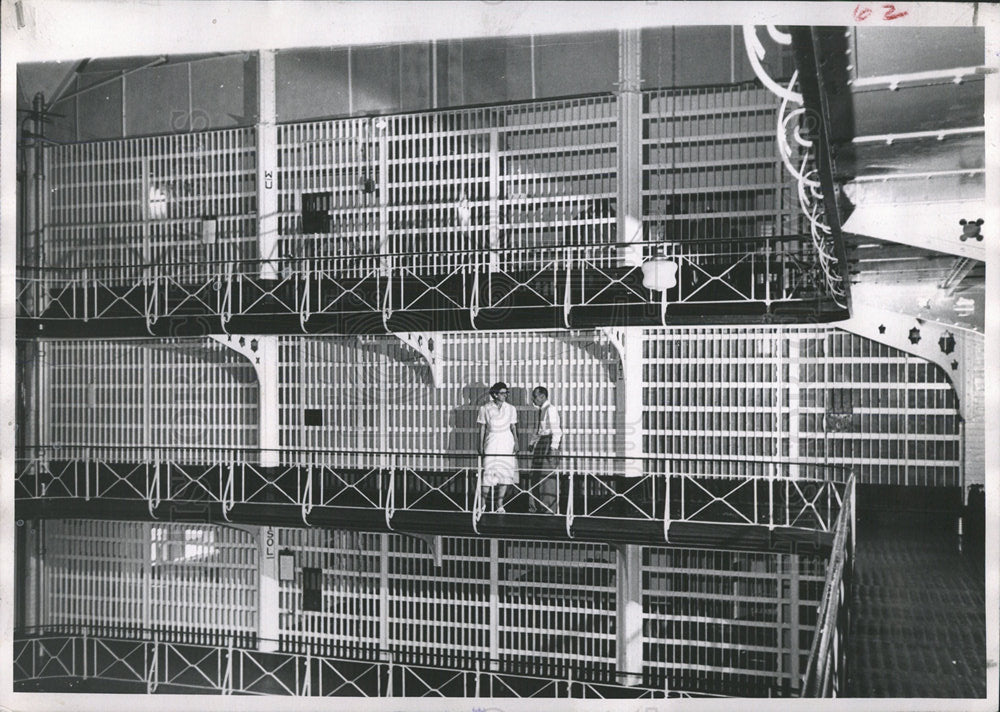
(557, 608)
(713, 396)
(558, 165)
(193, 583)
(203, 583)
(331, 190)
(580, 371)
(95, 577)
(329, 397)
(890, 416)
(192, 399)
(95, 397)
(441, 185)
(712, 175)
(182, 202)
(371, 394)
(722, 622)
(350, 620)
(438, 615)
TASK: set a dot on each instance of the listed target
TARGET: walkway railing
(660, 491)
(825, 670)
(154, 665)
(499, 281)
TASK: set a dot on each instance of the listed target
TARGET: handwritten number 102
(862, 13)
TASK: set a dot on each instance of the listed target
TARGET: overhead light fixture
(659, 274)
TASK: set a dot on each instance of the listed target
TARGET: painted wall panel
(311, 84)
(223, 92)
(99, 111)
(584, 63)
(376, 79)
(157, 101)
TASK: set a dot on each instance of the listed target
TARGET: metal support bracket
(427, 345)
(435, 544)
(616, 337)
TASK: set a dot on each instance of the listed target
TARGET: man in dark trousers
(545, 443)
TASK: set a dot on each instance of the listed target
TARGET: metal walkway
(426, 494)
(78, 662)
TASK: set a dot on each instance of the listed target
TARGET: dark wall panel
(484, 66)
(311, 84)
(223, 93)
(518, 62)
(101, 108)
(376, 79)
(890, 50)
(703, 55)
(156, 101)
(657, 57)
(706, 55)
(415, 76)
(63, 127)
(576, 63)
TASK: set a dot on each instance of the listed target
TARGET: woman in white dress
(498, 443)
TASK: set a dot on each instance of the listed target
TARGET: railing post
(83, 654)
(154, 666)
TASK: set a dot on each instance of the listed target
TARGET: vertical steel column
(267, 166)
(42, 389)
(629, 145)
(383, 597)
(28, 396)
(792, 622)
(147, 396)
(628, 428)
(629, 622)
(38, 182)
(266, 365)
(30, 588)
(494, 604)
(382, 139)
(147, 576)
(268, 601)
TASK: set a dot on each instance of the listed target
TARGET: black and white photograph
(496, 356)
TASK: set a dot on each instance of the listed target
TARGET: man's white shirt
(549, 424)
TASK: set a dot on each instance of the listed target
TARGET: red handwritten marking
(891, 14)
(863, 13)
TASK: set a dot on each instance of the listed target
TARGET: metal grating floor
(919, 610)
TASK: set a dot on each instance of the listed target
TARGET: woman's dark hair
(497, 387)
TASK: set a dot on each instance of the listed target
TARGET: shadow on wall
(464, 429)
